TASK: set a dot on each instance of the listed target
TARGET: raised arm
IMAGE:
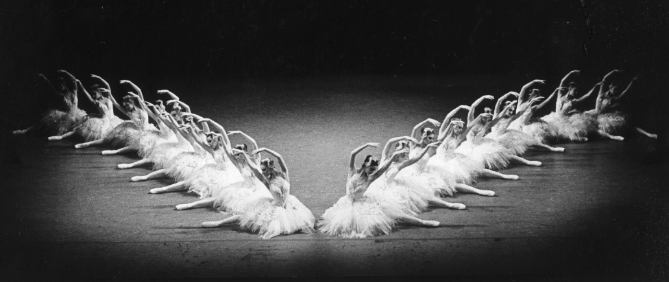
(70, 84)
(522, 97)
(472, 108)
(254, 168)
(545, 102)
(469, 127)
(174, 97)
(389, 144)
(221, 130)
(447, 119)
(88, 96)
(282, 163)
(626, 89)
(496, 119)
(415, 133)
(139, 91)
(417, 157)
(355, 152)
(500, 100)
(580, 99)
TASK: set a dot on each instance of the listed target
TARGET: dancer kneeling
(270, 216)
(359, 215)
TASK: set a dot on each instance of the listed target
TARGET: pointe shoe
(123, 166)
(654, 136)
(154, 191)
(618, 138)
(511, 177)
(559, 149)
(458, 206)
(79, 146)
(488, 193)
(107, 152)
(182, 207)
(210, 224)
(52, 138)
(534, 163)
(137, 178)
(432, 223)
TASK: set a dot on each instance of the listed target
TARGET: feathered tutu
(572, 128)
(486, 151)
(514, 140)
(210, 179)
(235, 197)
(367, 216)
(614, 123)
(56, 122)
(540, 130)
(122, 134)
(455, 167)
(94, 128)
(164, 152)
(184, 164)
(262, 215)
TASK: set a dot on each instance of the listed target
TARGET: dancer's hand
(375, 145)
(489, 97)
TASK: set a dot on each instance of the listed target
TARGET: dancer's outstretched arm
(255, 169)
(545, 102)
(415, 133)
(279, 158)
(447, 119)
(582, 98)
(615, 99)
(71, 86)
(204, 125)
(469, 127)
(86, 94)
(164, 91)
(472, 108)
(500, 100)
(417, 157)
(139, 91)
(562, 82)
(522, 96)
(220, 128)
(101, 80)
(355, 152)
(389, 144)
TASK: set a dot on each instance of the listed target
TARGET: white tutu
(184, 164)
(454, 167)
(514, 140)
(486, 151)
(56, 122)
(163, 153)
(615, 123)
(264, 216)
(210, 179)
(569, 129)
(235, 197)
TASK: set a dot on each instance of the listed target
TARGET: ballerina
(94, 126)
(358, 215)
(66, 115)
(209, 179)
(517, 141)
(128, 130)
(541, 130)
(611, 119)
(572, 125)
(417, 190)
(280, 214)
(487, 151)
(232, 194)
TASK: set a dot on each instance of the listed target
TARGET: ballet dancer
(358, 215)
(280, 214)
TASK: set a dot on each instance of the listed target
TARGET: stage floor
(595, 211)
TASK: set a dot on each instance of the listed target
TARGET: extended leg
(493, 174)
(417, 221)
(552, 149)
(88, 144)
(464, 188)
(135, 164)
(24, 131)
(220, 223)
(443, 204)
(161, 173)
(650, 135)
(179, 186)
(126, 149)
(519, 160)
(208, 202)
(613, 137)
(61, 136)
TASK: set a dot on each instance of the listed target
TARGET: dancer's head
(427, 136)
(402, 147)
(128, 104)
(370, 164)
(214, 140)
(511, 110)
(241, 147)
(456, 127)
(267, 168)
(486, 116)
(534, 93)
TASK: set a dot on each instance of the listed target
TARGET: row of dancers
(413, 173)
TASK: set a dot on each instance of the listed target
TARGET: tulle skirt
(147, 141)
(514, 140)
(235, 198)
(95, 128)
(56, 122)
(574, 127)
(122, 134)
(455, 167)
(210, 179)
(413, 201)
(486, 151)
(615, 123)
(543, 132)
(184, 164)
(369, 215)
(163, 153)
(263, 216)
